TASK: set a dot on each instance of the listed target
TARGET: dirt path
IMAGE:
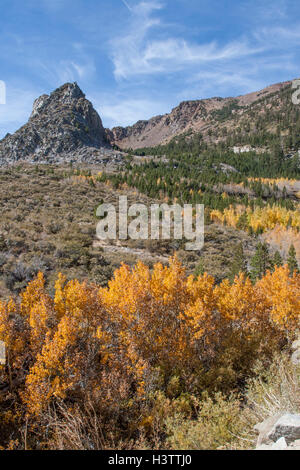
(119, 249)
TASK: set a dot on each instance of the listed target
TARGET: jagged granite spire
(62, 126)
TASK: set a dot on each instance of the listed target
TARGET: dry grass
(275, 390)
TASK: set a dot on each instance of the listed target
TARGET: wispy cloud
(50, 5)
(67, 70)
(127, 49)
(126, 5)
(136, 53)
(279, 36)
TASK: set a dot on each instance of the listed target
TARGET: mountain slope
(190, 116)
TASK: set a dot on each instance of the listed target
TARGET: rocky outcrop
(63, 126)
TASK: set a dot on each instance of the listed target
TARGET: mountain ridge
(189, 115)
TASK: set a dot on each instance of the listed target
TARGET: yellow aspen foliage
(146, 309)
(239, 302)
(147, 327)
(200, 306)
(273, 180)
(59, 303)
(259, 219)
(37, 307)
(281, 294)
(32, 294)
(71, 359)
(54, 371)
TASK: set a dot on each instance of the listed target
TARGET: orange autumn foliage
(146, 326)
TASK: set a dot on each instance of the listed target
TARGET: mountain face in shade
(63, 126)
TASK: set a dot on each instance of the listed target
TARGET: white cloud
(220, 83)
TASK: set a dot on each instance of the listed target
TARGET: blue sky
(135, 59)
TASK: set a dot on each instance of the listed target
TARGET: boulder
(287, 426)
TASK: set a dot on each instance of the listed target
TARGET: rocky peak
(61, 124)
(68, 92)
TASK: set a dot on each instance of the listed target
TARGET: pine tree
(239, 264)
(243, 223)
(277, 260)
(260, 262)
(292, 260)
(199, 271)
(277, 156)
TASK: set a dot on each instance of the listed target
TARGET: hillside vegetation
(133, 364)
